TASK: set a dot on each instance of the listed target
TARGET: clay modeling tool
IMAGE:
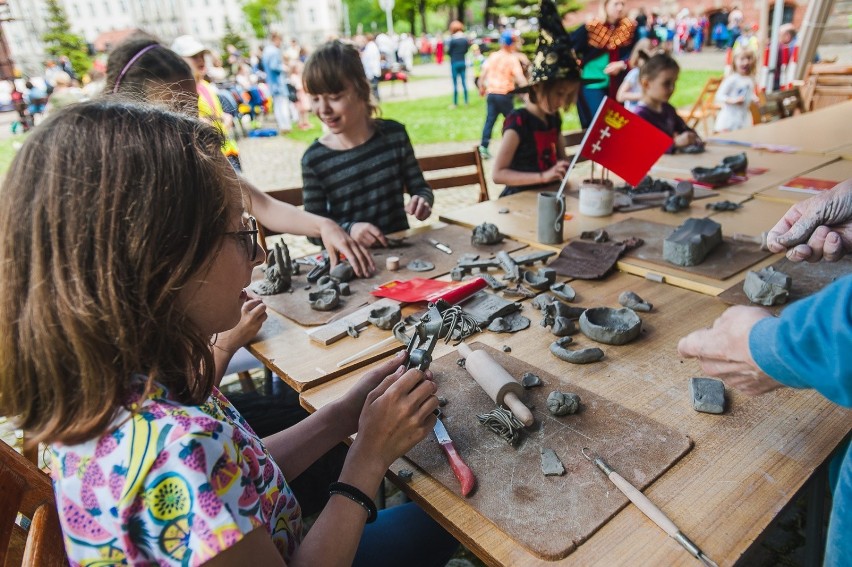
(440, 246)
(460, 468)
(496, 382)
(369, 350)
(760, 240)
(649, 509)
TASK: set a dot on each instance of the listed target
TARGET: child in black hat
(532, 154)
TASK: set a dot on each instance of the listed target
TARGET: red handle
(460, 468)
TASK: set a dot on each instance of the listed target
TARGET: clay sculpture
(519, 291)
(497, 383)
(610, 326)
(324, 299)
(541, 300)
(418, 265)
(633, 301)
(550, 463)
(492, 282)
(540, 280)
(708, 395)
(484, 307)
(723, 206)
(598, 236)
(714, 176)
(277, 276)
(457, 274)
(509, 266)
(561, 403)
(564, 292)
(511, 323)
(530, 380)
(342, 272)
(767, 286)
(690, 243)
(385, 317)
(503, 423)
(583, 356)
(738, 163)
(486, 234)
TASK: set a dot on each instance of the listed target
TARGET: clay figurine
(486, 234)
(519, 291)
(492, 282)
(564, 292)
(692, 241)
(738, 163)
(583, 356)
(418, 265)
(324, 300)
(610, 326)
(536, 281)
(457, 274)
(598, 236)
(714, 176)
(550, 463)
(561, 403)
(633, 301)
(342, 272)
(277, 277)
(530, 380)
(723, 206)
(767, 286)
(511, 323)
(385, 317)
(541, 300)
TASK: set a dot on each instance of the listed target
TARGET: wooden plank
(336, 330)
(838, 171)
(745, 467)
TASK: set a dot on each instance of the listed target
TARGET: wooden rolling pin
(496, 382)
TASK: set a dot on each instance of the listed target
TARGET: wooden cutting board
(550, 516)
(807, 280)
(727, 259)
(295, 305)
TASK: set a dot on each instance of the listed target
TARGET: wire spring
(457, 325)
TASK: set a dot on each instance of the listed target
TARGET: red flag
(624, 143)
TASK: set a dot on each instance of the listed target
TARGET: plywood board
(548, 515)
(807, 279)
(727, 259)
(295, 305)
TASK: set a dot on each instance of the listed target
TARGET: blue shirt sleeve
(810, 344)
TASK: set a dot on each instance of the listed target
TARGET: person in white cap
(209, 107)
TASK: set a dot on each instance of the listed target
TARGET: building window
(92, 9)
(76, 10)
(106, 8)
(311, 16)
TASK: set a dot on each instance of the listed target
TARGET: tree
(259, 14)
(231, 37)
(515, 10)
(59, 40)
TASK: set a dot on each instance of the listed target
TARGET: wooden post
(811, 33)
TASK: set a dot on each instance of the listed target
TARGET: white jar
(596, 198)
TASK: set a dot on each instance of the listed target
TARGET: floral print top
(171, 485)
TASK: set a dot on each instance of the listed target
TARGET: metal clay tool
(440, 246)
(649, 509)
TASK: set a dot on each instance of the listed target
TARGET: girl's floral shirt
(170, 484)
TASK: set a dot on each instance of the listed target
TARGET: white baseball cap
(187, 46)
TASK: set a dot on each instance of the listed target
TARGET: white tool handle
(641, 501)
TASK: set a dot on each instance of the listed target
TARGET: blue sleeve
(810, 344)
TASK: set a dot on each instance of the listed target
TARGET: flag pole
(580, 149)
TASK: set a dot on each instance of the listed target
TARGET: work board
(549, 516)
(295, 305)
(806, 280)
(728, 258)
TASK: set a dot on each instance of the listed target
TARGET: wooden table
(746, 465)
(817, 132)
(838, 171)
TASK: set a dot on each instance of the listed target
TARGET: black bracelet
(356, 496)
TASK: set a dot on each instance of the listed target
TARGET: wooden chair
(777, 106)
(704, 109)
(826, 84)
(573, 139)
(474, 174)
(27, 491)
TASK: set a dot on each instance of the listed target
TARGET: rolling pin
(496, 382)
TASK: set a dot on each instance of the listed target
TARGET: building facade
(310, 22)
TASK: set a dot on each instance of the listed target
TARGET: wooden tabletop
(746, 465)
(817, 132)
(836, 171)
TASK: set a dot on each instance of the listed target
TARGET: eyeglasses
(248, 237)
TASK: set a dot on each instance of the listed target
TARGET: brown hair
(456, 26)
(656, 65)
(333, 67)
(108, 210)
(545, 91)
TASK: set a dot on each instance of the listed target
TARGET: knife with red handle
(460, 468)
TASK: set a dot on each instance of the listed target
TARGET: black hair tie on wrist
(356, 496)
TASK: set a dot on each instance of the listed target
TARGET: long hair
(334, 66)
(108, 210)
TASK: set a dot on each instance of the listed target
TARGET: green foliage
(231, 37)
(60, 40)
(259, 14)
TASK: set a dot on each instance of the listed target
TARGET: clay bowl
(610, 326)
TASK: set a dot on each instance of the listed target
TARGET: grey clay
(583, 356)
(564, 292)
(550, 463)
(692, 241)
(342, 272)
(385, 317)
(632, 301)
(767, 286)
(486, 234)
(610, 326)
(418, 265)
(562, 403)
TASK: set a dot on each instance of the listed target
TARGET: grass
(8, 150)
(429, 120)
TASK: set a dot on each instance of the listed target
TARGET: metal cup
(551, 213)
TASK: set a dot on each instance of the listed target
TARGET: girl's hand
(336, 241)
(367, 235)
(736, 100)
(419, 208)
(397, 415)
(555, 173)
(252, 316)
(615, 67)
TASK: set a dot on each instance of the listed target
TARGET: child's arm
(683, 134)
(420, 204)
(625, 93)
(503, 174)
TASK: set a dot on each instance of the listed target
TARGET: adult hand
(252, 316)
(336, 241)
(418, 207)
(820, 227)
(555, 173)
(615, 67)
(397, 415)
(723, 352)
(368, 235)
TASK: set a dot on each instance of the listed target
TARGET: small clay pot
(535, 281)
(324, 300)
(610, 326)
(563, 291)
(385, 317)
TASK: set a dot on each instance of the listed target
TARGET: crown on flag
(615, 119)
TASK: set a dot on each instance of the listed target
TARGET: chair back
(442, 172)
(34, 538)
(704, 108)
(777, 106)
(827, 84)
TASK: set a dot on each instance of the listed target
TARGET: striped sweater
(365, 183)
